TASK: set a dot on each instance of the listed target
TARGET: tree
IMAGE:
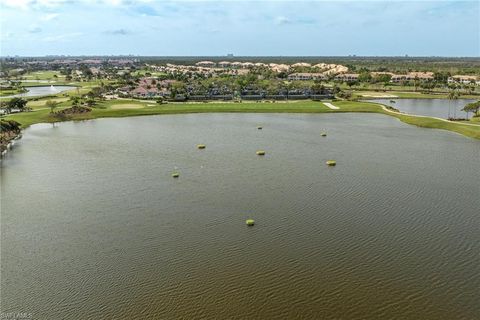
(365, 76)
(3, 105)
(318, 88)
(385, 78)
(452, 95)
(441, 77)
(472, 107)
(471, 87)
(96, 92)
(17, 103)
(427, 85)
(75, 100)
(350, 84)
(336, 89)
(345, 95)
(52, 105)
(9, 125)
(90, 102)
(416, 82)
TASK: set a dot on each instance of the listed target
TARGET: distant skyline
(254, 28)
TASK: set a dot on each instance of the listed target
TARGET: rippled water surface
(440, 108)
(93, 226)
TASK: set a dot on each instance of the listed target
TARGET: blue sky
(194, 28)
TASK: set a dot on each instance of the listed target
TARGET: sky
(242, 28)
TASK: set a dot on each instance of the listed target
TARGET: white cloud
(282, 20)
(27, 4)
(49, 3)
(20, 4)
(48, 17)
(113, 2)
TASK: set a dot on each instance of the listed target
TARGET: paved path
(331, 106)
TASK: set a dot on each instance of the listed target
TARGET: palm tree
(52, 105)
(416, 83)
(452, 95)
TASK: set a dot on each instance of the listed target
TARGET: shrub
(9, 125)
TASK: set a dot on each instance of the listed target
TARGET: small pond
(441, 108)
(42, 91)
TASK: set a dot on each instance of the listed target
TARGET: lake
(94, 226)
(440, 108)
(42, 91)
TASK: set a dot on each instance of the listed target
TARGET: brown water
(94, 226)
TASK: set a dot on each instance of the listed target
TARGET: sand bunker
(379, 95)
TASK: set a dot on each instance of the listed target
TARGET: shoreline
(7, 143)
(42, 116)
(385, 107)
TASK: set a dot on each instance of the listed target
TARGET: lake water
(42, 91)
(93, 226)
(441, 108)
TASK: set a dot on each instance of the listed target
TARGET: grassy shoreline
(109, 109)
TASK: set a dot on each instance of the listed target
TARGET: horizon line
(239, 56)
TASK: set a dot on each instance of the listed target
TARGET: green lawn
(142, 72)
(40, 104)
(43, 75)
(84, 84)
(9, 92)
(127, 108)
(426, 122)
